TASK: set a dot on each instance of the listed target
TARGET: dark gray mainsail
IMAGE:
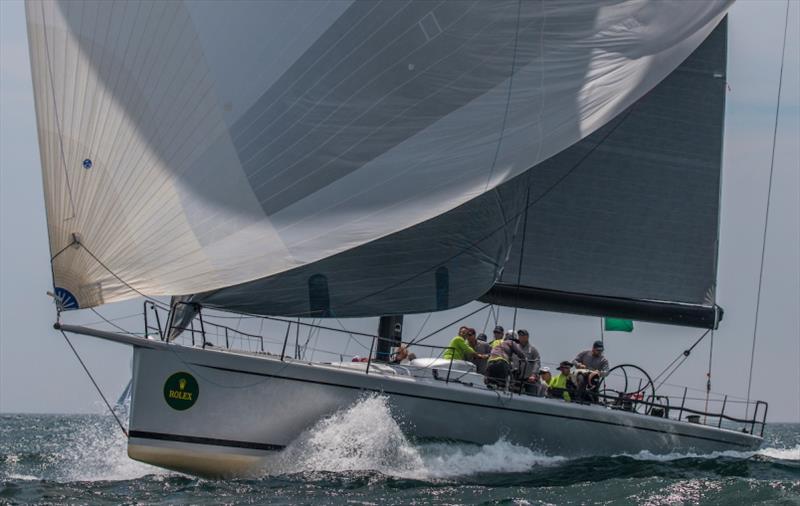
(441, 263)
(624, 223)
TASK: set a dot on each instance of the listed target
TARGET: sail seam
(154, 301)
(508, 97)
(55, 112)
(522, 252)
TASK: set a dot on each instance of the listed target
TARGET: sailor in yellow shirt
(559, 385)
(461, 347)
(497, 336)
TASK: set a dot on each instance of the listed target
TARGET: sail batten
(208, 146)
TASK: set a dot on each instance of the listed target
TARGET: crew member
(560, 385)
(544, 381)
(497, 336)
(593, 359)
(527, 369)
(499, 366)
(591, 366)
(483, 348)
(460, 348)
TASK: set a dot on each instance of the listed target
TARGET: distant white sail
(193, 146)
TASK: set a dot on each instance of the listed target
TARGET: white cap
(544, 369)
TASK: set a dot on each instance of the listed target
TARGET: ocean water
(361, 456)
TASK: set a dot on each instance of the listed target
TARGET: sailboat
(377, 159)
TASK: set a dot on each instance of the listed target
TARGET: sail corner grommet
(87, 163)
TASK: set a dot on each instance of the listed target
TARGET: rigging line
(521, 252)
(297, 340)
(602, 330)
(154, 301)
(108, 405)
(488, 317)
(110, 322)
(261, 328)
(766, 213)
(119, 318)
(62, 250)
(308, 338)
(623, 116)
(55, 112)
(708, 377)
(422, 327)
(508, 97)
(417, 341)
(684, 353)
(350, 335)
(668, 376)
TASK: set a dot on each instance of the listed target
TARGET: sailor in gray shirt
(534, 361)
(484, 348)
(593, 359)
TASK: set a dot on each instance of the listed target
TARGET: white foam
(452, 460)
(781, 453)
(22, 477)
(774, 453)
(366, 437)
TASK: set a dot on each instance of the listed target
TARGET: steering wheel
(626, 393)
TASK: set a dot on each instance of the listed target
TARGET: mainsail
(623, 222)
(193, 147)
(626, 221)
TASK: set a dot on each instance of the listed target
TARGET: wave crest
(367, 437)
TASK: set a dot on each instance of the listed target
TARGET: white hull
(249, 406)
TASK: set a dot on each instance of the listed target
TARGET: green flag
(618, 325)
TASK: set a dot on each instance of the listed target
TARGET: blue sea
(360, 456)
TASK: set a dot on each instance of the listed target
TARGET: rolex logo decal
(181, 391)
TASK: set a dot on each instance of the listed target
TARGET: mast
(390, 330)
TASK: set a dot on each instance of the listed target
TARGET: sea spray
(364, 437)
(71, 448)
(98, 451)
(367, 437)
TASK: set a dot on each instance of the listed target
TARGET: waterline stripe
(204, 440)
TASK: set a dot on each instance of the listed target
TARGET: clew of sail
(187, 147)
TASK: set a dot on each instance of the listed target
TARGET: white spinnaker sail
(192, 146)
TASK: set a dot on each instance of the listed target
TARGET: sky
(39, 374)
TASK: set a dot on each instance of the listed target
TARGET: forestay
(187, 147)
